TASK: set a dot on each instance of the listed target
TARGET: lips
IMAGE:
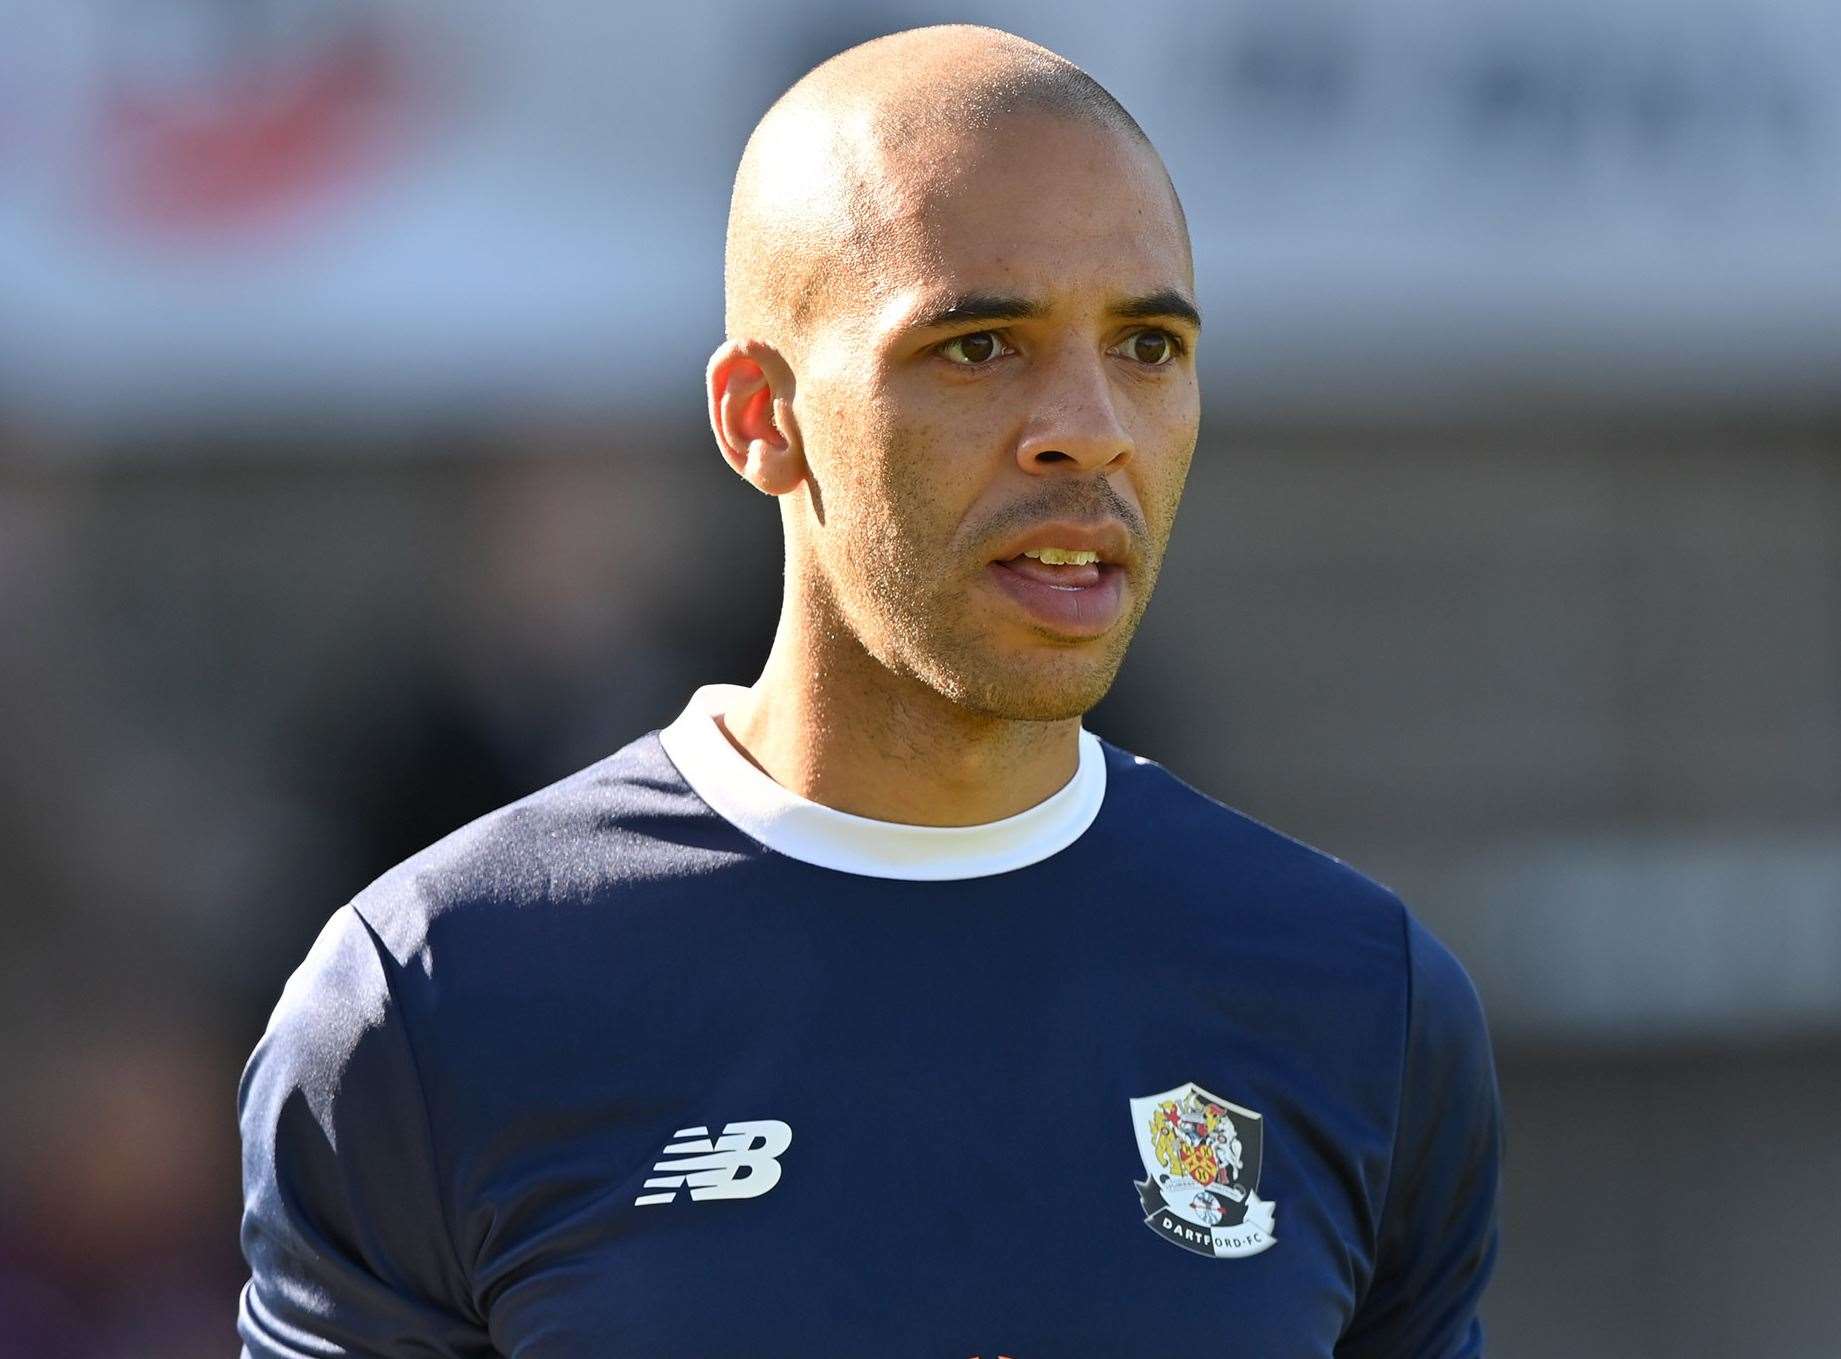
(1066, 577)
(1106, 538)
(1073, 601)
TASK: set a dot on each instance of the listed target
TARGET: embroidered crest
(1201, 1156)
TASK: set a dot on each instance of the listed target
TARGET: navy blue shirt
(665, 1061)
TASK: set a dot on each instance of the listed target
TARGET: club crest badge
(1201, 1156)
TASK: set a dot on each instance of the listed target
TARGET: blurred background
(354, 480)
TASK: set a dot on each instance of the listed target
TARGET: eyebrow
(969, 307)
(1164, 302)
(972, 307)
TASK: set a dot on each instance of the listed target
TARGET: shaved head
(837, 175)
(961, 311)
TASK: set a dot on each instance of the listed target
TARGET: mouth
(1078, 598)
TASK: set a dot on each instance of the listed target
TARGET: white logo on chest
(741, 1164)
(1201, 1158)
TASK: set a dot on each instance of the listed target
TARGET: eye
(1153, 348)
(972, 351)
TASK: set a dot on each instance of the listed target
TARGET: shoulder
(331, 1005)
(1342, 919)
(1210, 841)
(1449, 1054)
(622, 822)
(495, 909)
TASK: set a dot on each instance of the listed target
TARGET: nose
(1076, 426)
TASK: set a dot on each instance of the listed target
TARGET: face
(998, 428)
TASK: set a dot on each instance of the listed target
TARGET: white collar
(779, 818)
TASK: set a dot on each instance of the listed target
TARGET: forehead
(1037, 205)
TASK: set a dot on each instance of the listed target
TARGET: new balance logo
(741, 1164)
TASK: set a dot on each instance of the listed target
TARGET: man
(879, 1009)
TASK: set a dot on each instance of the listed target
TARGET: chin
(995, 672)
(1035, 690)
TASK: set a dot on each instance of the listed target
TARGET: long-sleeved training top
(665, 1060)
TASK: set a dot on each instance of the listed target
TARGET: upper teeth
(1062, 556)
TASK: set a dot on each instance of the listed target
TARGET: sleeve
(1437, 1242)
(343, 1226)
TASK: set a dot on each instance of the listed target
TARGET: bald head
(836, 173)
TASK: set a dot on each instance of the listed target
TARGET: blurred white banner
(1417, 209)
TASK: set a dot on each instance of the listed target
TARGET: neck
(833, 724)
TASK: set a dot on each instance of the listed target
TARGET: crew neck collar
(801, 829)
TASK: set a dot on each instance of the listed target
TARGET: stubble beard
(926, 630)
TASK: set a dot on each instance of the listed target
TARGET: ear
(751, 412)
